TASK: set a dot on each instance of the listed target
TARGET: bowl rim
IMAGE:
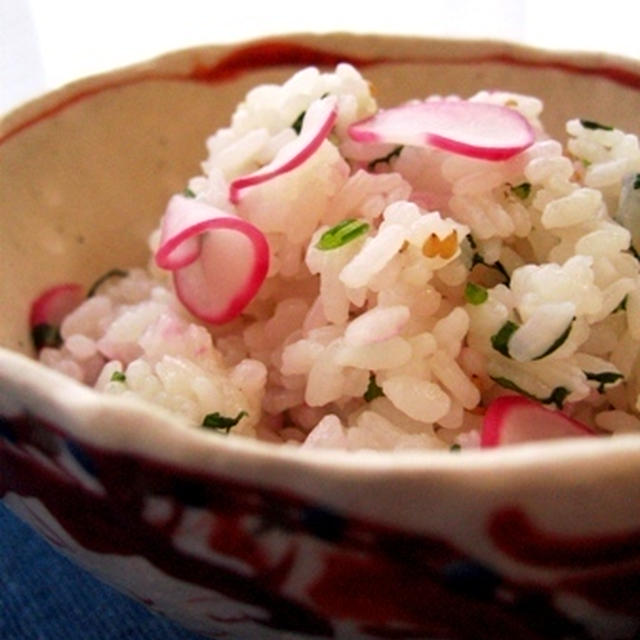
(68, 407)
(407, 48)
(72, 404)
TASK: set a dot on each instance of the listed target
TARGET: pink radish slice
(218, 260)
(52, 305)
(516, 419)
(475, 129)
(316, 126)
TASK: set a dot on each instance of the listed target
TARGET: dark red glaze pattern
(516, 535)
(605, 569)
(271, 53)
(376, 577)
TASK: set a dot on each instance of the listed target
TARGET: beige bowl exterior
(84, 175)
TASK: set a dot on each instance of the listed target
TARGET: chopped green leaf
(636, 181)
(222, 423)
(558, 342)
(476, 258)
(113, 273)
(475, 294)
(512, 386)
(591, 124)
(500, 340)
(188, 193)
(557, 396)
(622, 306)
(297, 123)
(522, 190)
(343, 233)
(373, 390)
(46, 335)
(118, 376)
(386, 159)
(472, 242)
(455, 448)
(604, 378)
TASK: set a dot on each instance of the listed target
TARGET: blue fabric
(43, 596)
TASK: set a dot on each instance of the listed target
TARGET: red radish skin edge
(56, 302)
(516, 419)
(457, 126)
(237, 303)
(315, 129)
(184, 222)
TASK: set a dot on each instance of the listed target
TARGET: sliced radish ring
(516, 419)
(316, 126)
(475, 129)
(53, 304)
(218, 260)
(48, 311)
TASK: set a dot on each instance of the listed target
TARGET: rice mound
(380, 343)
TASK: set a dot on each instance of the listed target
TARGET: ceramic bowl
(243, 539)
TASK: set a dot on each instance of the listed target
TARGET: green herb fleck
(455, 448)
(118, 376)
(558, 342)
(591, 124)
(297, 123)
(222, 423)
(343, 233)
(557, 396)
(622, 306)
(475, 294)
(604, 378)
(46, 335)
(472, 243)
(522, 190)
(395, 153)
(636, 181)
(373, 389)
(113, 273)
(512, 386)
(500, 340)
(188, 193)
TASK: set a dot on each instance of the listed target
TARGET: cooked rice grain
(373, 345)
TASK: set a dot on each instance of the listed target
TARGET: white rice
(387, 312)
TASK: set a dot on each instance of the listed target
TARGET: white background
(46, 43)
